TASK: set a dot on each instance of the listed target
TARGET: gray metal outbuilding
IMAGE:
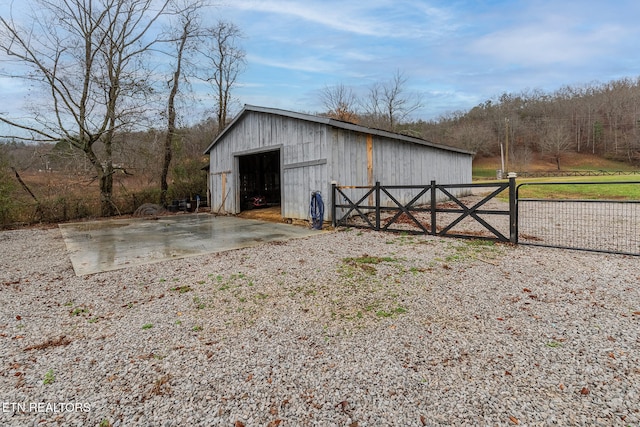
(284, 156)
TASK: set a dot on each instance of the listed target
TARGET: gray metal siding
(348, 157)
(402, 163)
(298, 184)
(395, 163)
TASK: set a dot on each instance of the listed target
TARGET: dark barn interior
(259, 180)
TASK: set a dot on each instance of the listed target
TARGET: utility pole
(506, 133)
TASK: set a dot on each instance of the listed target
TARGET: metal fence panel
(611, 226)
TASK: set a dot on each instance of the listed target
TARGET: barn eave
(333, 123)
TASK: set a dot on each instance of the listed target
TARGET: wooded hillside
(597, 118)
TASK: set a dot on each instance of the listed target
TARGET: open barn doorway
(259, 175)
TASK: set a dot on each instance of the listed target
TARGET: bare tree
(188, 28)
(340, 102)
(225, 60)
(555, 139)
(389, 103)
(88, 56)
(474, 137)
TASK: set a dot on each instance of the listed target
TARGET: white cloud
(378, 18)
(546, 44)
(307, 63)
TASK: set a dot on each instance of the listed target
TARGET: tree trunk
(104, 172)
(168, 149)
(171, 111)
(107, 207)
(171, 130)
(164, 185)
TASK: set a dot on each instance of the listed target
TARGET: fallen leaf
(500, 318)
(239, 424)
(561, 386)
(18, 318)
(250, 377)
(526, 290)
(584, 391)
(611, 355)
(51, 342)
(507, 373)
(423, 420)
(274, 423)
(514, 420)
(637, 313)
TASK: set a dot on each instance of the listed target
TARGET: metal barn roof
(333, 123)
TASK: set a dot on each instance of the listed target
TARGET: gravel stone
(344, 328)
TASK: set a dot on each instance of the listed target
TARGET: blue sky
(456, 54)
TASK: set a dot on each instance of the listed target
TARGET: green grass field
(483, 173)
(619, 187)
(626, 187)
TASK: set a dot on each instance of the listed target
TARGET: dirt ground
(272, 214)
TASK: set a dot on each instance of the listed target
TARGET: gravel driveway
(352, 328)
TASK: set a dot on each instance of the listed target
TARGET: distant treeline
(598, 118)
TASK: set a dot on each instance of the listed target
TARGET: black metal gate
(589, 224)
(425, 213)
(611, 226)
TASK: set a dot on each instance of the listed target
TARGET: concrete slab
(119, 243)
